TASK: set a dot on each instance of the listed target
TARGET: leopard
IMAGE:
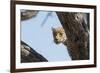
(59, 35)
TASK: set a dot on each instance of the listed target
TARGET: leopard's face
(59, 35)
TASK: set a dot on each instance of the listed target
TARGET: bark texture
(27, 14)
(30, 55)
(76, 27)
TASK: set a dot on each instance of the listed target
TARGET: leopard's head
(59, 35)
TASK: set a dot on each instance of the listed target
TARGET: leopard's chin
(57, 42)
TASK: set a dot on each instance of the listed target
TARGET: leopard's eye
(60, 34)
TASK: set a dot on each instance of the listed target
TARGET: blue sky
(37, 32)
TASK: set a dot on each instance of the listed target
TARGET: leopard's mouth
(57, 42)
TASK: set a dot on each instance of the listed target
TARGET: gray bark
(27, 14)
(28, 54)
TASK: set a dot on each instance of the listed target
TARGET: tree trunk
(76, 26)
